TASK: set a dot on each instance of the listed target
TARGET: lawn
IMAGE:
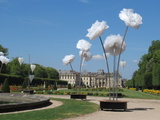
(139, 94)
(70, 108)
(126, 92)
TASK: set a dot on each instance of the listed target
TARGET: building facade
(90, 79)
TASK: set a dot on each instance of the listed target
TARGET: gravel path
(137, 109)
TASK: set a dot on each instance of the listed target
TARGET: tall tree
(14, 68)
(154, 47)
(52, 73)
(156, 75)
(148, 74)
(5, 86)
(40, 71)
(4, 50)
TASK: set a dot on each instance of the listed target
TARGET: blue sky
(47, 30)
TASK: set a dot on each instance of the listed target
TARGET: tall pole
(107, 65)
(29, 73)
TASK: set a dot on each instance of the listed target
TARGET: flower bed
(155, 92)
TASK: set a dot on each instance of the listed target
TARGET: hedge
(18, 80)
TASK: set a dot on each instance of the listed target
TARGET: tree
(55, 86)
(156, 56)
(25, 83)
(156, 75)
(5, 86)
(147, 82)
(69, 86)
(52, 73)
(40, 71)
(4, 50)
(14, 68)
(154, 47)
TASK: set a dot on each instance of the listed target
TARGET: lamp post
(32, 67)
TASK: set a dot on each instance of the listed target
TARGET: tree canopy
(14, 68)
(148, 74)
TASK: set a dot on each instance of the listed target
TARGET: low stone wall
(22, 102)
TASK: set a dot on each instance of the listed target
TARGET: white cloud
(136, 61)
(97, 57)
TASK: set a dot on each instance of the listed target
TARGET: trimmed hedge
(18, 80)
(5, 86)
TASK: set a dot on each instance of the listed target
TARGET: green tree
(55, 86)
(156, 75)
(40, 71)
(25, 83)
(52, 73)
(154, 47)
(14, 68)
(5, 86)
(4, 50)
(147, 82)
(69, 86)
(156, 56)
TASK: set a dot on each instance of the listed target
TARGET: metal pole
(107, 65)
(28, 74)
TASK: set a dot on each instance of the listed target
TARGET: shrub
(5, 86)
(25, 83)
(69, 86)
(55, 86)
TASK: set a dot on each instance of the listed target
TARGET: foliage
(40, 71)
(155, 46)
(69, 86)
(5, 86)
(52, 73)
(14, 68)
(25, 83)
(55, 86)
(147, 80)
(147, 76)
(156, 75)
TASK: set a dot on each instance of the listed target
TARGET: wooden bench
(109, 104)
(78, 96)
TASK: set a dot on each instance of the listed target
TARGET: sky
(47, 30)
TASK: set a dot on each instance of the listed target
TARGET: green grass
(70, 108)
(4, 102)
(138, 94)
(127, 92)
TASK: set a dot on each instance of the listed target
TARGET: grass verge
(139, 94)
(70, 108)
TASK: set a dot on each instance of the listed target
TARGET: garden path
(137, 109)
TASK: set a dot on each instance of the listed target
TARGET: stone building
(89, 79)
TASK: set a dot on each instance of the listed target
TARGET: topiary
(69, 86)
(25, 83)
(5, 86)
(55, 86)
